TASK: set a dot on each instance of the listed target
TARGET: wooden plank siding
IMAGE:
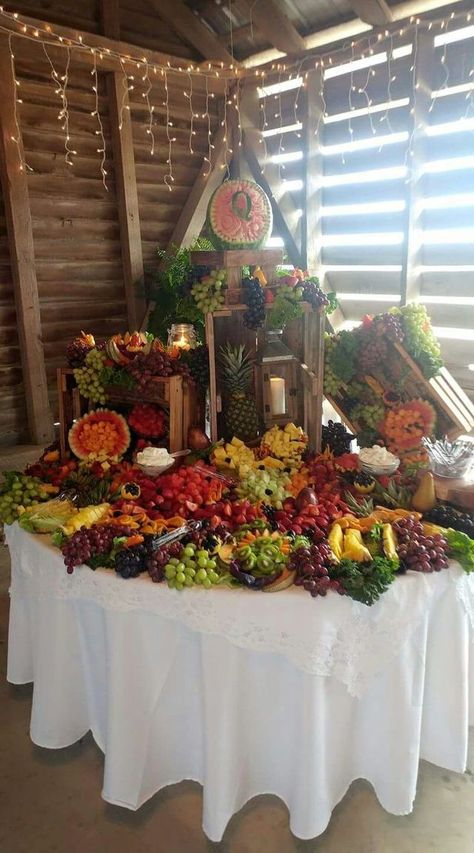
(75, 218)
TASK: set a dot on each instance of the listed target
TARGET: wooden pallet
(178, 397)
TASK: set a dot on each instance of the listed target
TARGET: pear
(424, 498)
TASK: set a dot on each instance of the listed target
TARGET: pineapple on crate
(240, 412)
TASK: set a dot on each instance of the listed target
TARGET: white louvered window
(375, 220)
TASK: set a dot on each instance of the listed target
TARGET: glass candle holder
(182, 335)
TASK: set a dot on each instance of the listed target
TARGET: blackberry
(254, 297)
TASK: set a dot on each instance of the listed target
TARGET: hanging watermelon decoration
(239, 216)
(102, 434)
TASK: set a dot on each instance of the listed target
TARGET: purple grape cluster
(129, 562)
(373, 354)
(155, 363)
(157, 560)
(88, 542)
(311, 565)
(254, 297)
(416, 550)
(314, 295)
(391, 326)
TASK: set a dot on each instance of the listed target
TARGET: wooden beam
(238, 34)
(423, 83)
(108, 48)
(22, 259)
(110, 15)
(271, 21)
(292, 250)
(125, 178)
(193, 214)
(311, 240)
(192, 30)
(374, 12)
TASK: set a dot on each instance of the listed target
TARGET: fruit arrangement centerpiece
(261, 517)
(382, 378)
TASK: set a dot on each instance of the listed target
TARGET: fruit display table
(243, 692)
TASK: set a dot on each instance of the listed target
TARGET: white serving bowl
(379, 470)
(154, 470)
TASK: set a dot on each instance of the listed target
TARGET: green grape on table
(88, 378)
(270, 487)
(208, 291)
(18, 490)
(193, 566)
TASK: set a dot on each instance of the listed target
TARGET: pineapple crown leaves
(237, 367)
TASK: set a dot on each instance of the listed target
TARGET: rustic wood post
(22, 258)
(125, 177)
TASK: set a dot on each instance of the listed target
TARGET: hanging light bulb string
(61, 82)
(100, 132)
(150, 108)
(168, 179)
(206, 115)
(189, 95)
(126, 88)
(16, 100)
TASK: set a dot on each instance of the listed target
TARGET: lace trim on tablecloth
(341, 638)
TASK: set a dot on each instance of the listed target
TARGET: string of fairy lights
(149, 80)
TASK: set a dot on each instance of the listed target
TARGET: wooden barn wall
(74, 217)
(159, 206)
(12, 394)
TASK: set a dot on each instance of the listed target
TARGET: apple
(304, 498)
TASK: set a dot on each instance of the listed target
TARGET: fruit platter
(263, 518)
(387, 381)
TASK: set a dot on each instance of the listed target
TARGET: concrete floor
(50, 802)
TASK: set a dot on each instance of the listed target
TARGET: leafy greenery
(365, 582)
(169, 287)
(462, 548)
(284, 309)
(116, 376)
(333, 302)
(342, 358)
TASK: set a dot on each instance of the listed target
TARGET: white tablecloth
(244, 692)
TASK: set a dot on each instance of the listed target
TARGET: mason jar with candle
(277, 372)
(182, 335)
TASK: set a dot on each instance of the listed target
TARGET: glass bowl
(451, 459)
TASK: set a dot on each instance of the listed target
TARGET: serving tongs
(175, 535)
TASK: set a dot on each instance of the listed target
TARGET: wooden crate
(233, 260)
(454, 409)
(173, 393)
(304, 337)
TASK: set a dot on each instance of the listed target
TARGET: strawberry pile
(231, 514)
(147, 419)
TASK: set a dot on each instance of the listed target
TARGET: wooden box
(173, 393)
(233, 260)
(454, 409)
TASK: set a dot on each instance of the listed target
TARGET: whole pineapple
(240, 413)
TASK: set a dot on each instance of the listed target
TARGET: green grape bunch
(208, 291)
(90, 377)
(420, 341)
(18, 490)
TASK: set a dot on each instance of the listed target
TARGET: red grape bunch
(89, 542)
(416, 550)
(311, 564)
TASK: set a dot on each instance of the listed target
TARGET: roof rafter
(272, 22)
(191, 29)
(374, 12)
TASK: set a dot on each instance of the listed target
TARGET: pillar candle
(277, 395)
